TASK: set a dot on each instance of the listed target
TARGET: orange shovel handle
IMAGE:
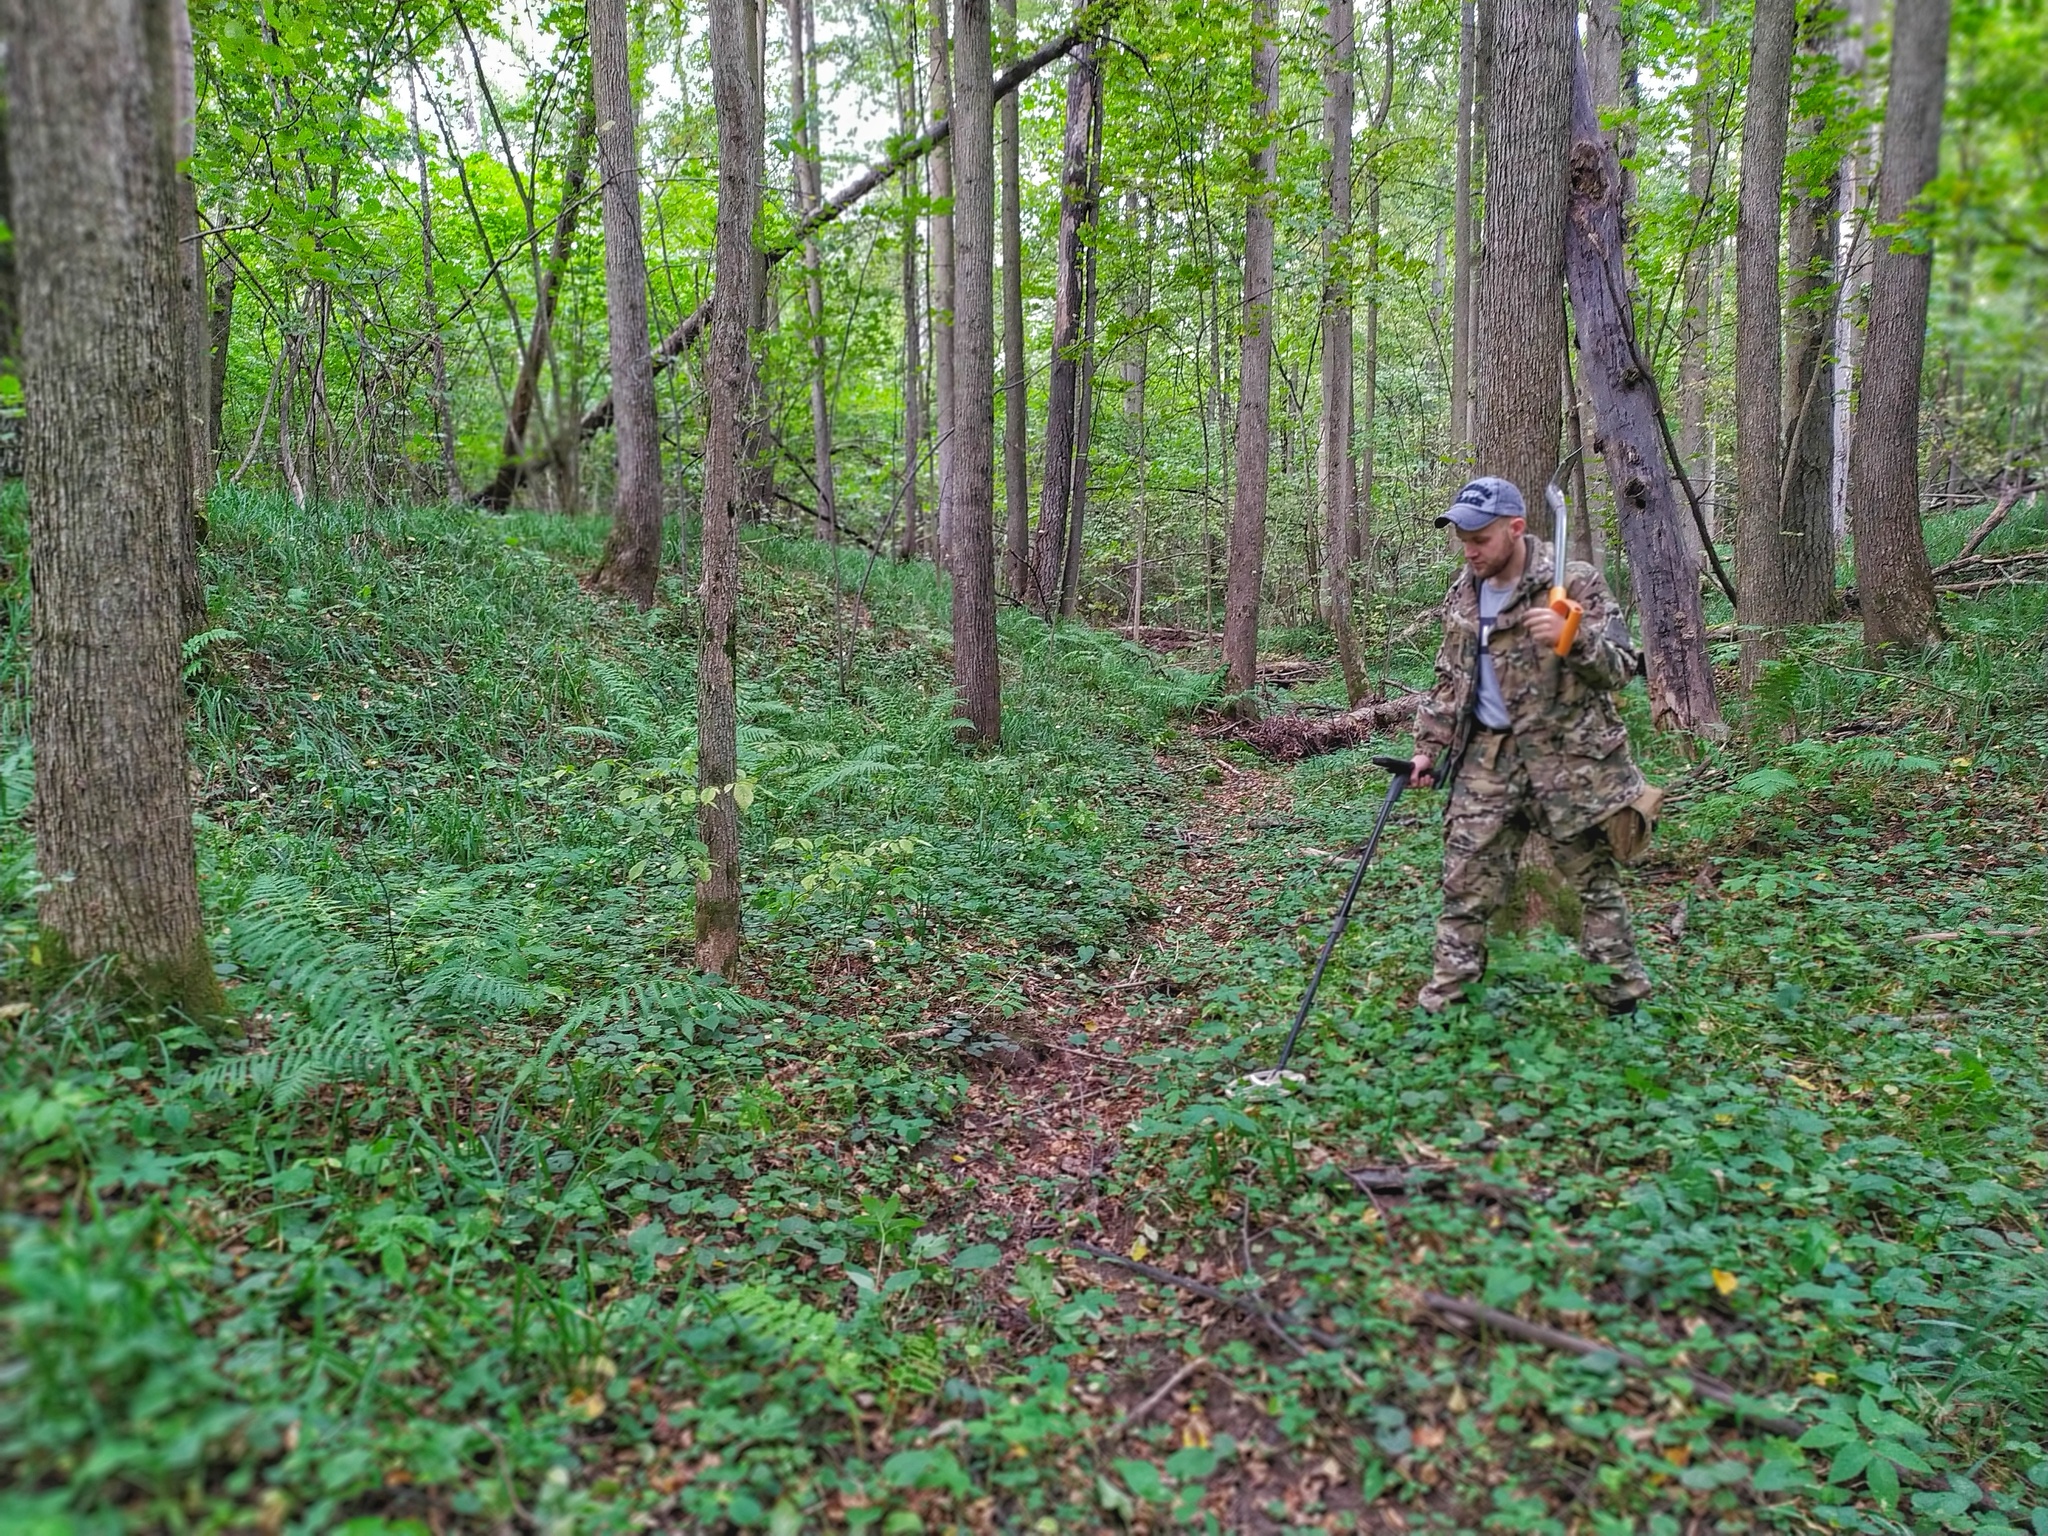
(1571, 613)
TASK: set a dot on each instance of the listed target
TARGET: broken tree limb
(1712, 1388)
(512, 472)
(1290, 738)
(2009, 498)
(1243, 1305)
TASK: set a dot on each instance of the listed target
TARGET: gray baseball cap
(1483, 500)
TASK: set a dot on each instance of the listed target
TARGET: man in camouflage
(1528, 741)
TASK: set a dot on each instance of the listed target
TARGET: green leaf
(978, 1256)
(1883, 1479)
(1142, 1478)
(1912, 1461)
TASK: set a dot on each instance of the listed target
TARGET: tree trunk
(10, 307)
(1761, 553)
(1245, 572)
(977, 679)
(1137, 305)
(1855, 178)
(632, 553)
(1055, 489)
(737, 102)
(1624, 395)
(1461, 239)
(437, 356)
(1810, 302)
(220, 331)
(105, 356)
(1584, 547)
(193, 321)
(497, 496)
(1892, 573)
(1016, 389)
(809, 193)
(913, 358)
(1084, 405)
(1521, 321)
(1695, 347)
(943, 396)
(1333, 476)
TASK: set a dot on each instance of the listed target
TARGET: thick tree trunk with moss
(1520, 305)
(1893, 576)
(736, 97)
(105, 356)
(632, 553)
(1245, 572)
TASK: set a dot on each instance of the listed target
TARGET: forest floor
(495, 1216)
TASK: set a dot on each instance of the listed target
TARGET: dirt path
(1041, 1132)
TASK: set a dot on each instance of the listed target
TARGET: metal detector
(1278, 1076)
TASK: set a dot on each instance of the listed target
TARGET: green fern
(798, 1331)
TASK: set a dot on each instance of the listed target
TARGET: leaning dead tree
(1653, 529)
(513, 469)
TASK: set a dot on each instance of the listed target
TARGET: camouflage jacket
(1567, 732)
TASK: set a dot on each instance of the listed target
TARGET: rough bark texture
(1246, 569)
(977, 680)
(1892, 572)
(1055, 488)
(940, 103)
(1806, 485)
(632, 552)
(809, 192)
(497, 496)
(737, 100)
(1760, 539)
(1016, 388)
(104, 358)
(1520, 316)
(1461, 237)
(1623, 394)
(1333, 475)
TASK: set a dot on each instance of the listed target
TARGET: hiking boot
(1620, 999)
(1438, 996)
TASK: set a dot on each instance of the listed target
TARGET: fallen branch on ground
(1243, 1305)
(1947, 935)
(1712, 1388)
(1290, 738)
(2007, 500)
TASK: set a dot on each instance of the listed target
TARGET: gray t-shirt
(1492, 708)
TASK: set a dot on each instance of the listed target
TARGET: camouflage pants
(1492, 813)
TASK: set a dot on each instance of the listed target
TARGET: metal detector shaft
(1401, 771)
